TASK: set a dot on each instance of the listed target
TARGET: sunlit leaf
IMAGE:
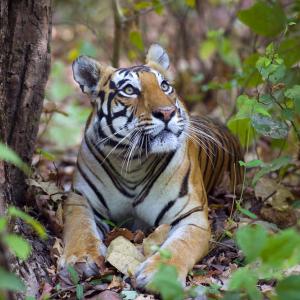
(10, 156)
(36, 225)
(251, 164)
(245, 280)
(165, 282)
(19, 246)
(135, 38)
(280, 247)
(245, 237)
(207, 49)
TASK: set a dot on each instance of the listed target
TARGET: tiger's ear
(86, 72)
(158, 55)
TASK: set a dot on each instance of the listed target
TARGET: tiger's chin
(165, 142)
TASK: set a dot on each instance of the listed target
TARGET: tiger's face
(134, 107)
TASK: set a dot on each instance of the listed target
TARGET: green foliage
(136, 39)
(275, 165)
(10, 156)
(264, 18)
(36, 225)
(288, 288)
(17, 245)
(166, 283)
(10, 282)
(216, 42)
(269, 255)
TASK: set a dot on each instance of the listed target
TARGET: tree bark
(25, 32)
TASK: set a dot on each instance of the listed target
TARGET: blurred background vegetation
(235, 60)
(214, 48)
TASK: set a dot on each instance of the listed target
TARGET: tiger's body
(144, 158)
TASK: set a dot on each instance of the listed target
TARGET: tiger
(144, 157)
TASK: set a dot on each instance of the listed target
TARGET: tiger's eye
(129, 90)
(164, 86)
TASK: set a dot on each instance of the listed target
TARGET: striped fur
(144, 158)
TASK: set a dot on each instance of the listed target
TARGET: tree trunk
(25, 31)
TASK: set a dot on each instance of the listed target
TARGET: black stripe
(163, 212)
(107, 170)
(147, 188)
(184, 184)
(95, 190)
(187, 214)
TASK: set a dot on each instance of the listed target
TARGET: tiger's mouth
(165, 141)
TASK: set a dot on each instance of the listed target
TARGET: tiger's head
(134, 107)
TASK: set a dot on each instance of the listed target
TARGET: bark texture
(25, 30)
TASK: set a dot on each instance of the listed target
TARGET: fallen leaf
(273, 194)
(156, 238)
(124, 256)
(116, 284)
(48, 187)
(57, 249)
(127, 234)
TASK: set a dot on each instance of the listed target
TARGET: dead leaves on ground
(269, 200)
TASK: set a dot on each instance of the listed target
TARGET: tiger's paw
(87, 261)
(147, 270)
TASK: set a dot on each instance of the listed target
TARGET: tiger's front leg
(83, 246)
(188, 242)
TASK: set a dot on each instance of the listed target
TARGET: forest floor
(263, 205)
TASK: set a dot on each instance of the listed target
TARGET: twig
(117, 34)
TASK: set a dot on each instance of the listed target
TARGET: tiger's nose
(164, 113)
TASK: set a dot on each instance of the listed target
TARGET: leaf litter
(127, 249)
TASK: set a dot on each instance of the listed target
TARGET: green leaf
(270, 127)
(135, 38)
(280, 247)
(73, 274)
(270, 69)
(79, 292)
(10, 156)
(165, 282)
(36, 225)
(19, 246)
(3, 223)
(251, 164)
(245, 280)
(228, 53)
(289, 51)
(289, 288)
(45, 154)
(247, 212)
(190, 3)
(243, 129)
(245, 239)
(267, 19)
(248, 106)
(10, 282)
(294, 94)
(207, 49)
(275, 165)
